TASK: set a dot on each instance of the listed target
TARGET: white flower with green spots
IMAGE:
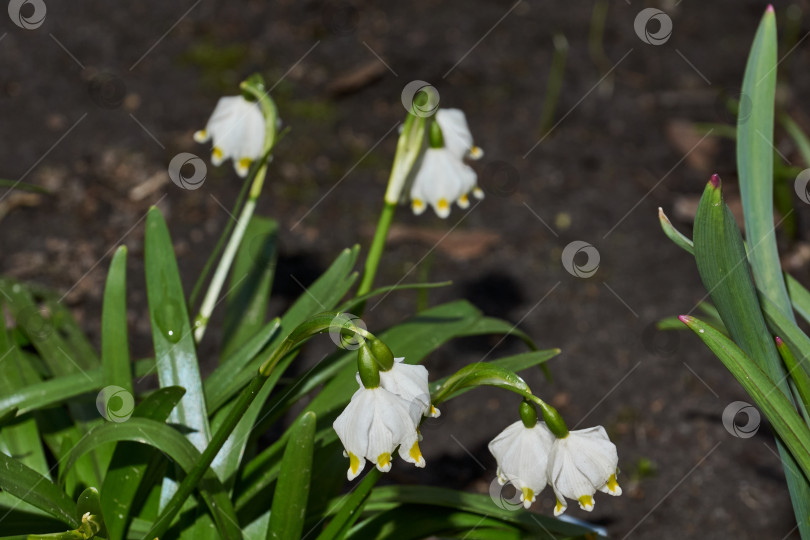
(373, 425)
(522, 456)
(443, 177)
(580, 464)
(237, 128)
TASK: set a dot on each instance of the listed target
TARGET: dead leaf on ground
(357, 78)
(459, 245)
(690, 142)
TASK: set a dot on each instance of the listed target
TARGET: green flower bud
(367, 366)
(381, 353)
(528, 414)
(435, 137)
(554, 421)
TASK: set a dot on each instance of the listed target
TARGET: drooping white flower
(442, 177)
(456, 132)
(522, 456)
(441, 180)
(237, 129)
(410, 382)
(371, 427)
(580, 464)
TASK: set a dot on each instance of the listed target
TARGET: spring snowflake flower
(522, 456)
(371, 427)
(580, 464)
(410, 382)
(442, 176)
(237, 129)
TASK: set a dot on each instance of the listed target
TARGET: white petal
(409, 382)
(455, 131)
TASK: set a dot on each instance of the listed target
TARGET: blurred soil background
(96, 102)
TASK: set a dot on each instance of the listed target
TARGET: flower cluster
(575, 466)
(443, 177)
(378, 419)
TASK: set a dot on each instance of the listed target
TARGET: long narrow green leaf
(129, 463)
(475, 503)
(50, 392)
(19, 439)
(166, 439)
(292, 489)
(114, 342)
(796, 370)
(349, 507)
(781, 413)
(27, 484)
(721, 260)
(175, 352)
(325, 293)
(755, 162)
(251, 279)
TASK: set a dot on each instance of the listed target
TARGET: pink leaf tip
(715, 180)
(686, 319)
(769, 9)
(779, 341)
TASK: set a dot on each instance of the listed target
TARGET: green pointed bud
(528, 414)
(435, 137)
(554, 421)
(381, 353)
(367, 367)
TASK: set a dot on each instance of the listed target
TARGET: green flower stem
(254, 88)
(317, 324)
(409, 146)
(218, 280)
(377, 246)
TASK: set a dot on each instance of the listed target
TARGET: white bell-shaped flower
(442, 179)
(456, 132)
(371, 427)
(410, 382)
(522, 456)
(237, 129)
(580, 464)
